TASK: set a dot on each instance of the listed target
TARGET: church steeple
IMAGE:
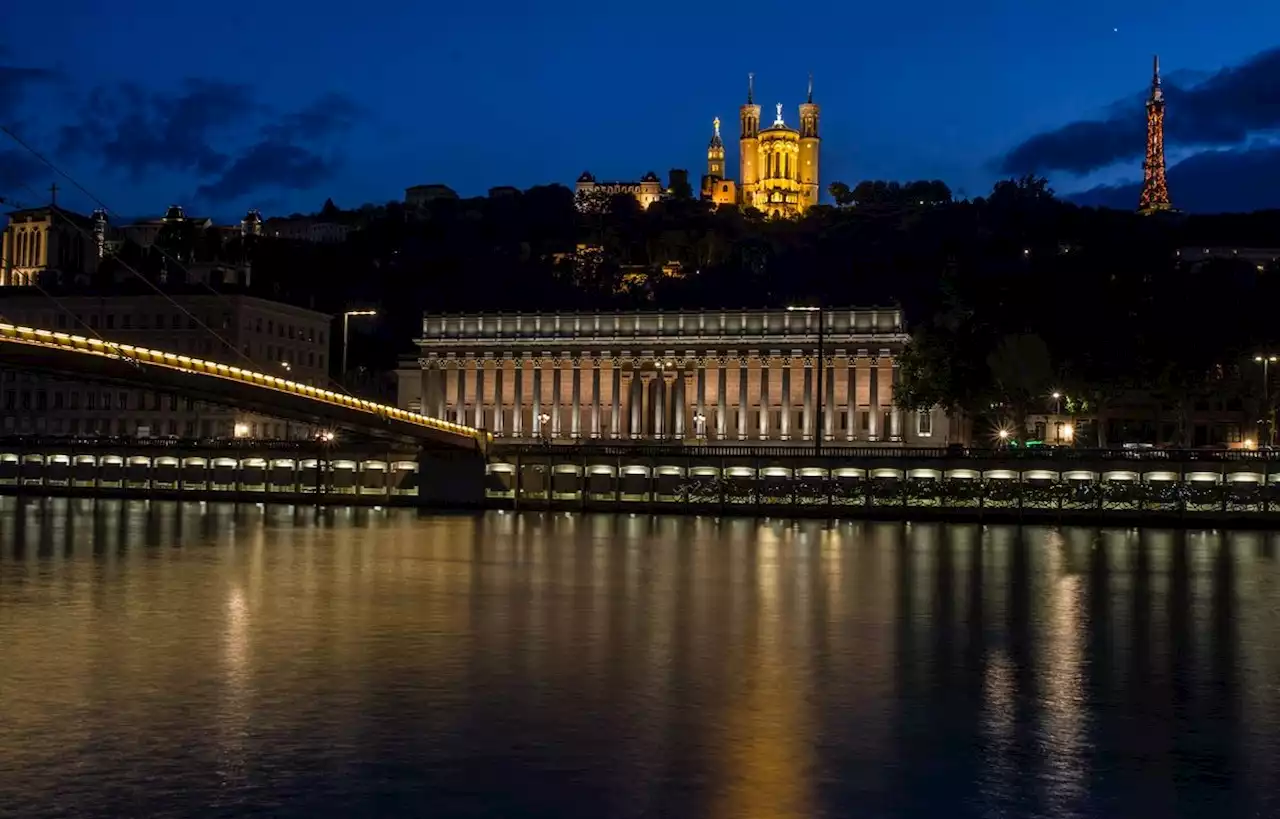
(715, 152)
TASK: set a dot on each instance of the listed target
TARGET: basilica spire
(751, 87)
(810, 99)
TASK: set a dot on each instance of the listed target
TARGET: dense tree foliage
(1006, 295)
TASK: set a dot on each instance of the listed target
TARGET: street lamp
(545, 431)
(346, 333)
(1266, 360)
(700, 426)
(1057, 403)
(822, 367)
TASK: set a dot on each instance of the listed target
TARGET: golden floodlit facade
(779, 165)
(698, 376)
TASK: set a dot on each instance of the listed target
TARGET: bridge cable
(76, 320)
(168, 256)
(48, 163)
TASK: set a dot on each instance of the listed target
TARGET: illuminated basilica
(777, 166)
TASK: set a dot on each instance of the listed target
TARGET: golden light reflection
(767, 765)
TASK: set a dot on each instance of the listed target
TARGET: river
(205, 660)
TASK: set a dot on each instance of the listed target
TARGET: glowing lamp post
(1266, 360)
(346, 334)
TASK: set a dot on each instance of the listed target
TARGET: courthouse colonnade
(725, 375)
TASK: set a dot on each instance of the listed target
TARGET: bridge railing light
(94, 346)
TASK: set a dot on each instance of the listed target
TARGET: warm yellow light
(241, 430)
(1004, 433)
(1248, 443)
(1068, 431)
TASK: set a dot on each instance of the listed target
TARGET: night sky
(280, 105)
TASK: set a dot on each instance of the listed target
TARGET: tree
(841, 194)
(1022, 375)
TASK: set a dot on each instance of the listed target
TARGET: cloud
(268, 165)
(1223, 109)
(19, 170)
(131, 129)
(15, 81)
(1233, 180)
(213, 131)
(285, 158)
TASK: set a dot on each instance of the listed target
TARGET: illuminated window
(924, 424)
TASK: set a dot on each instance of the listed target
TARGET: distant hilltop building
(777, 165)
(647, 191)
(421, 195)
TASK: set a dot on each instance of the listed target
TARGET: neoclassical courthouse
(715, 376)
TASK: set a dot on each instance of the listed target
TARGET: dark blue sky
(278, 105)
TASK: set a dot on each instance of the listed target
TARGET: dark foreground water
(205, 660)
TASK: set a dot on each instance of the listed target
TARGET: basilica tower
(715, 152)
(1155, 191)
(749, 144)
(810, 143)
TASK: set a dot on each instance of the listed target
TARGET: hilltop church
(777, 166)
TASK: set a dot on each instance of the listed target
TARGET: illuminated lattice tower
(1155, 191)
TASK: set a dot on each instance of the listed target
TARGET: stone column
(701, 400)
(479, 407)
(636, 400)
(829, 406)
(557, 396)
(895, 414)
(742, 396)
(766, 359)
(658, 412)
(536, 420)
(595, 396)
(873, 432)
(722, 400)
(499, 396)
(677, 405)
(851, 396)
(575, 423)
(517, 400)
(786, 398)
(615, 378)
(424, 382)
(809, 386)
(460, 409)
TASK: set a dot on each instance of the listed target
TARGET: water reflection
(204, 659)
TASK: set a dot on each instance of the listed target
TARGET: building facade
(715, 376)
(47, 246)
(274, 337)
(778, 166)
(647, 191)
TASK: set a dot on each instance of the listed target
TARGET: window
(111, 321)
(93, 321)
(75, 400)
(74, 426)
(124, 401)
(126, 321)
(924, 423)
(270, 327)
(322, 359)
(57, 400)
(91, 400)
(62, 321)
(10, 399)
(257, 327)
(322, 336)
(25, 400)
(42, 400)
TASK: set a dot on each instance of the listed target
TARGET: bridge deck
(80, 357)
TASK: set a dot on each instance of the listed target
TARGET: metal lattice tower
(1155, 190)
